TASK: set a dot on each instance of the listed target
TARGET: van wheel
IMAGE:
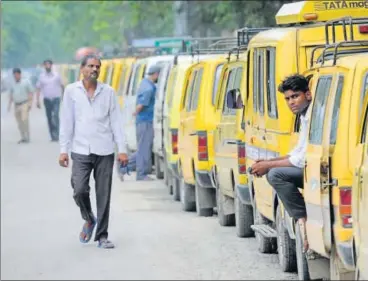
(158, 170)
(243, 218)
(224, 220)
(166, 174)
(187, 196)
(175, 188)
(285, 245)
(265, 245)
(301, 260)
(202, 212)
(170, 181)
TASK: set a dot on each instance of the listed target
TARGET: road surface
(154, 239)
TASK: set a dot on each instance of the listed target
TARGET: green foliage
(35, 30)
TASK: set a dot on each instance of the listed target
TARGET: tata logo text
(333, 5)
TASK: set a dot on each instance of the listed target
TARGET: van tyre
(158, 169)
(265, 245)
(243, 218)
(224, 220)
(166, 173)
(285, 245)
(202, 212)
(187, 196)
(175, 188)
(301, 260)
(170, 181)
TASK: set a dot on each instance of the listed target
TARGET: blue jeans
(52, 113)
(141, 160)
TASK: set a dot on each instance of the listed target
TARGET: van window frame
(364, 128)
(316, 138)
(122, 80)
(189, 90)
(270, 77)
(229, 86)
(135, 79)
(261, 82)
(255, 77)
(172, 87)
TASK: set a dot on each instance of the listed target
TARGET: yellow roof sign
(317, 11)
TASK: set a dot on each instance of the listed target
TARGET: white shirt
(297, 155)
(91, 126)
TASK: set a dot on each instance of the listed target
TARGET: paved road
(154, 238)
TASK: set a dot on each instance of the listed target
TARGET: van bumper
(204, 179)
(243, 192)
(174, 167)
(345, 252)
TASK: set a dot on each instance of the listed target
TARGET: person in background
(142, 158)
(285, 173)
(21, 94)
(90, 127)
(51, 87)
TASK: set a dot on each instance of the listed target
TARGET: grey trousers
(142, 158)
(286, 181)
(102, 167)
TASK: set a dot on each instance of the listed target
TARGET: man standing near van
(21, 94)
(285, 174)
(49, 83)
(144, 124)
(91, 127)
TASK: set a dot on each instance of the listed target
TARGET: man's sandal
(87, 231)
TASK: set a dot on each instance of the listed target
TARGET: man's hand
(123, 158)
(64, 160)
(260, 168)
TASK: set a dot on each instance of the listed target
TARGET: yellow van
(360, 196)
(171, 122)
(121, 75)
(196, 132)
(73, 73)
(226, 171)
(339, 86)
(272, 129)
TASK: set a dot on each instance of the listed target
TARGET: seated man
(285, 173)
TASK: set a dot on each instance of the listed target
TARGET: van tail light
(202, 146)
(363, 28)
(345, 207)
(241, 158)
(174, 141)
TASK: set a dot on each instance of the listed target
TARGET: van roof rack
(348, 41)
(246, 33)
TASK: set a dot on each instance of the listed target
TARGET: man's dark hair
(47, 61)
(17, 70)
(295, 83)
(90, 56)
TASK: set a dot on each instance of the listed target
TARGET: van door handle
(231, 142)
(193, 134)
(263, 138)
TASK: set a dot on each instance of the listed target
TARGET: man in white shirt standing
(90, 127)
(285, 174)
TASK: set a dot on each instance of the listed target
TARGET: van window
(237, 85)
(196, 89)
(255, 84)
(319, 110)
(122, 80)
(364, 92)
(136, 78)
(365, 127)
(336, 110)
(216, 82)
(189, 91)
(229, 86)
(270, 82)
(260, 81)
(171, 90)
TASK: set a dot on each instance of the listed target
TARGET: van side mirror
(234, 99)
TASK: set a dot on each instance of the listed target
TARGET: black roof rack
(348, 41)
(246, 33)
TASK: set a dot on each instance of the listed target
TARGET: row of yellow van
(216, 113)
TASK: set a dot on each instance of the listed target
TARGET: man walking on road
(90, 123)
(21, 94)
(142, 158)
(51, 87)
